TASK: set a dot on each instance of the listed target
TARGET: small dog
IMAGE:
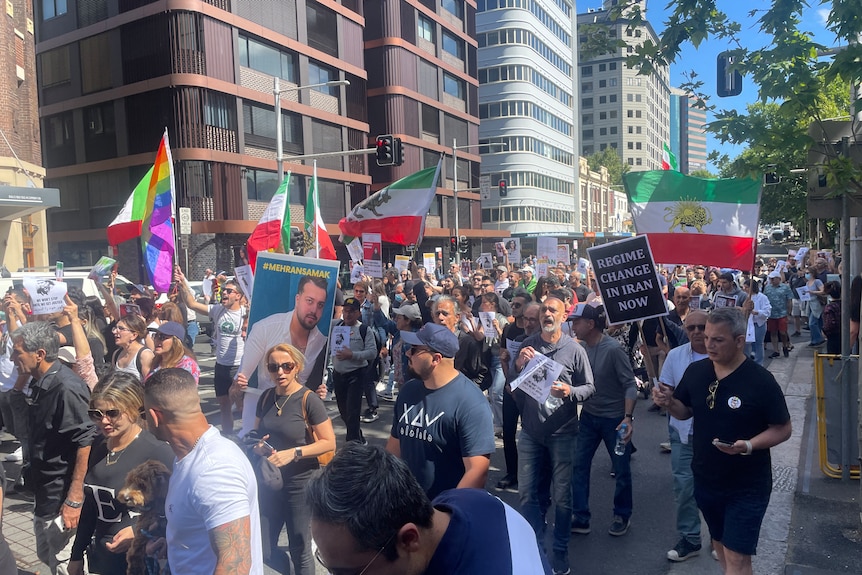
(144, 492)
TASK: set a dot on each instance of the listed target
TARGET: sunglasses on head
(286, 367)
(99, 415)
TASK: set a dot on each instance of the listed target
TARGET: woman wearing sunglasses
(284, 414)
(105, 529)
(170, 350)
(132, 356)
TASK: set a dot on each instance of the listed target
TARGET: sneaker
(796, 334)
(581, 528)
(17, 455)
(786, 351)
(508, 483)
(683, 550)
(560, 565)
(386, 396)
(714, 554)
(369, 416)
(619, 527)
(774, 354)
(665, 446)
(818, 344)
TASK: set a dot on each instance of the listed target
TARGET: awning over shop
(16, 202)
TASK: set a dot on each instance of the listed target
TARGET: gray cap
(410, 311)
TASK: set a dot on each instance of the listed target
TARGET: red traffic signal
(504, 188)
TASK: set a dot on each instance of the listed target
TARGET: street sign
(185, 216)
(184, 241)
(484, 188)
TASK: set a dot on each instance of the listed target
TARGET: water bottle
(620, 447)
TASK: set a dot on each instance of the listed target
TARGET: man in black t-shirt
(739, 414)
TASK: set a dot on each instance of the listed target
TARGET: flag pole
(314, 199)
(173, 198)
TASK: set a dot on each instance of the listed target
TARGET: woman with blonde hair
(282, 420)
(105, 528)
(171, 351)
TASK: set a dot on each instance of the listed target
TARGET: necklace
(117, 454)
(278, 407)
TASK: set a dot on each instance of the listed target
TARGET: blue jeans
(495, 393)
(592, 432)
(687, 515)
(815, 324)
(759, 336)
(558, 452)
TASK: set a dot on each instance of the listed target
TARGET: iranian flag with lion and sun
(696, 221)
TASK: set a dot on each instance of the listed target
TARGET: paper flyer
(354, 248)
(538, 377)
(546, 247)
(340, 338)
(102, 268)
(47, 295)
(513, 246)
(372, 255)
(487, 319)
(402, 264)
(430, 262)
(245, 279)
(803, 293)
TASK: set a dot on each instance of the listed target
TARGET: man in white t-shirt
(211, 505)
(207, 285)
(298, 328)
(687, 514)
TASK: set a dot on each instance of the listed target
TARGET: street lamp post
(455, 148)
(277, 91)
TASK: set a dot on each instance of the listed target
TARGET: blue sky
(702, 59)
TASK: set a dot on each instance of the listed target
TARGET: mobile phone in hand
(269, 447)
(722, 443)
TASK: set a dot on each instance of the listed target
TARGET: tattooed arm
(231, 543)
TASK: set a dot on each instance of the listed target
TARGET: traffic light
(464, 246)
(504, 188)
(297, 240)
(385, 150)
(397, 151)
(453, 245)
(728, 82)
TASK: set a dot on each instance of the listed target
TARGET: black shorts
(733, 516)
(223, 379)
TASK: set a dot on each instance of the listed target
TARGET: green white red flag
(397, 212)
(696, 221)
(668, 159)
(272, 233)
(318, 244)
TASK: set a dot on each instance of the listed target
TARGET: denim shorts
(733, 516)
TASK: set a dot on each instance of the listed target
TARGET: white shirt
(675, 364)
(762, 307)
(212, 485)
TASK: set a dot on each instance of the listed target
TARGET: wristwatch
(297, 453)
(73, 504)
(629, 416)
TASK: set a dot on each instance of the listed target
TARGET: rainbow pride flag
(157, 228)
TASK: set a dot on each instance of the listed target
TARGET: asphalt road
(642, 550)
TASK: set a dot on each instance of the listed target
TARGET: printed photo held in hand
(292, 302)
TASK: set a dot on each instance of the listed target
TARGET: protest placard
(487, 320)
(340, 338)
(47, 295)
(245, 279)
(563, 254)
(102, 268)
(429, 262)
(372, 255)
(402, 264)
(803, 293)
(354, 248)
(546, 247)
(723, 301)
(627, 279)
(513, 246)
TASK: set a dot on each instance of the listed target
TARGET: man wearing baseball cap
(442, 426)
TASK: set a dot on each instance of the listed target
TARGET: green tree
(703, 173)
(796, 86)
(610, 160)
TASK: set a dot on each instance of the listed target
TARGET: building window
(613, 130)
(587, 119)
(586, 87)
(637, 130)
(267, 59)
(453, 45)
(53, 8)
(588, 134)
(638, 114)
(430, 120)
(55, 67)
(456, 7)
(603, 83)
(630, 114)
(637, 98)
(453, 86)
(630, 145)
(631, 161)
(320, 74)
(322, 28)
(586, 71)
(603, 115)
(587, 103)
(602, 67)
(612, 98)
(638, 162)
(95, 64)
(612, 114)
(603, 99)
(603, 131)
(425, 29)
(638, 146)
(612, 82)
(612, 66)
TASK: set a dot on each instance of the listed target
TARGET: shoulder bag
(324, 458)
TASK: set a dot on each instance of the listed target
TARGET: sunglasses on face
(286, 367)
(99, 415)
(228, 290)
(691, 328)
(161, 336)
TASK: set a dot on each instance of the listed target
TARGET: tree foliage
(797, 85)
(610, 159)
(703, 173)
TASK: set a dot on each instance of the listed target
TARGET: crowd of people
(451, 351)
